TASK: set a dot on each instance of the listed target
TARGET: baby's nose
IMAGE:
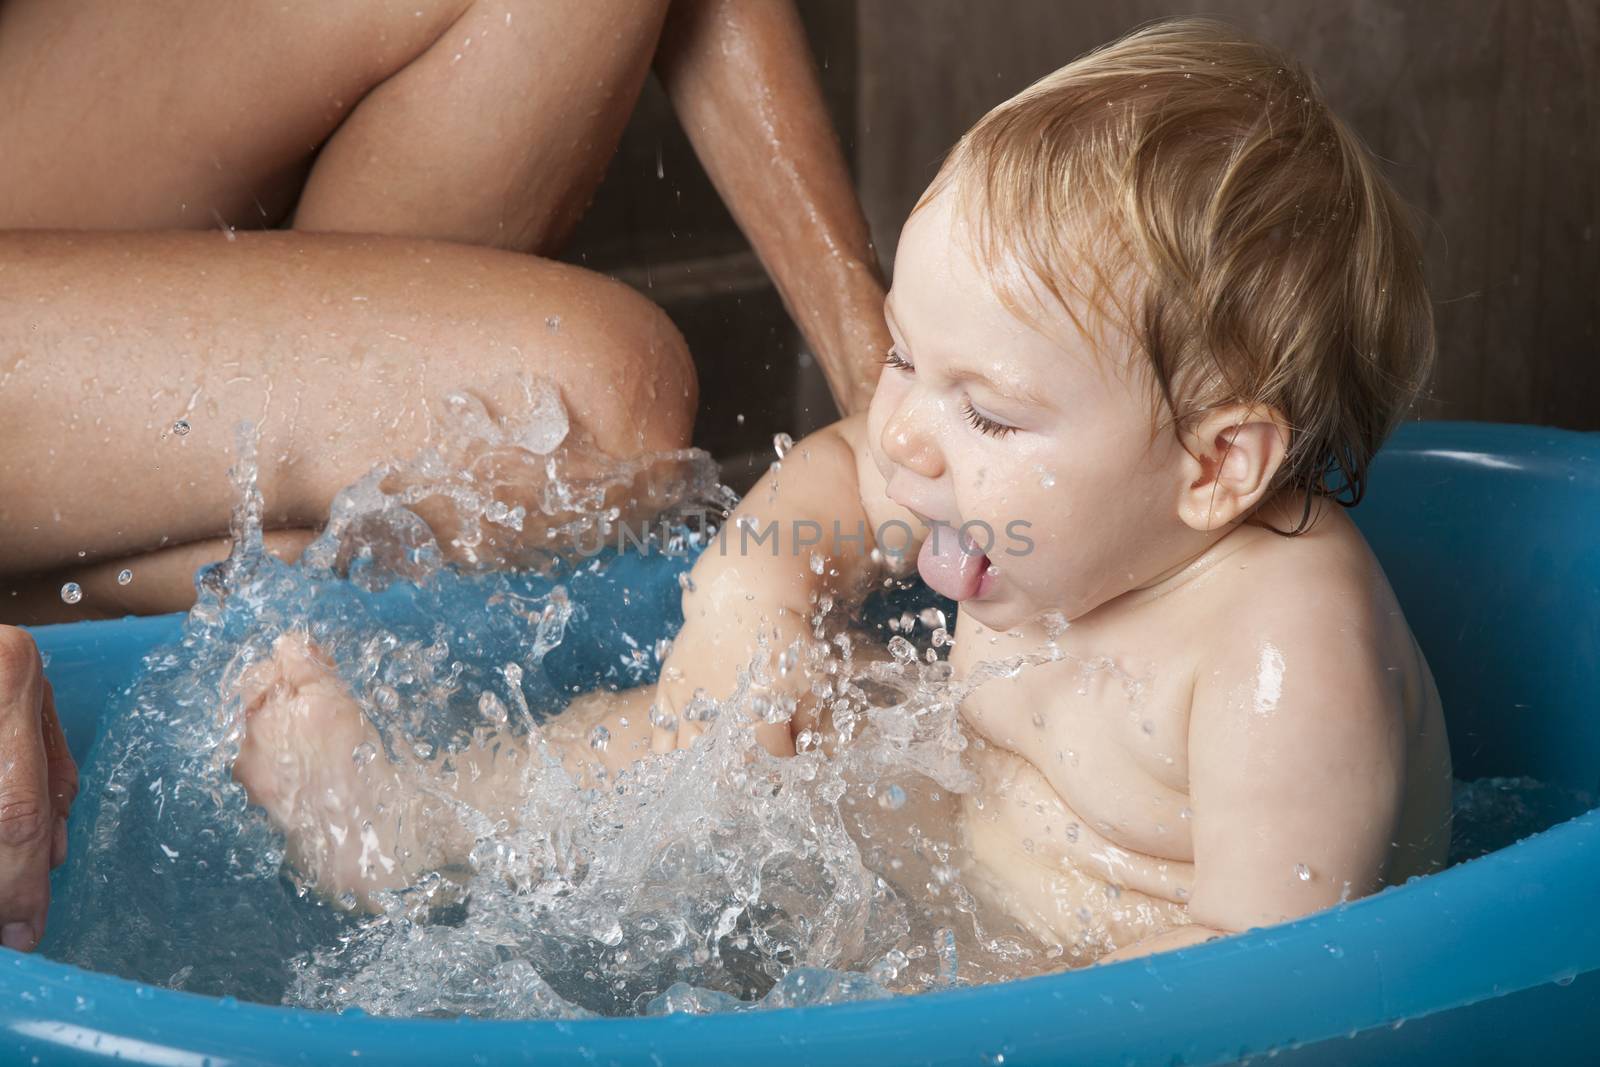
(908, 442)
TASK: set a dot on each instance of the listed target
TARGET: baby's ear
(1233, 454)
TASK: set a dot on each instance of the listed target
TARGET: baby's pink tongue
(951, 564)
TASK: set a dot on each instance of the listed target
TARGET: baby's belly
(1027, 854)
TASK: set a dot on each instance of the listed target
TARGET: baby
(1151, 321)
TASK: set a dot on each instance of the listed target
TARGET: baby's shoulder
(1318, 601)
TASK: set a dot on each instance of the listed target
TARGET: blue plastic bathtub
(1491, 537)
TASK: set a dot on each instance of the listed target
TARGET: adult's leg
(338, 348)
(479, 121)
(498, 134)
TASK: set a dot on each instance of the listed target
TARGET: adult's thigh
(497, 134)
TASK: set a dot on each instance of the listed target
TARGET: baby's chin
(1002, 609)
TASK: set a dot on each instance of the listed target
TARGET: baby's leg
(357, 822)
(338, 348)
(603, 731)
(314, 761)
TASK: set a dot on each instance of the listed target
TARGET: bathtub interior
(1491, 538)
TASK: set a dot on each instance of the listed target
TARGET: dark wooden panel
(1487, 115)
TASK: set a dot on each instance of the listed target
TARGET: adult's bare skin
(339, 348)
(38, 781)
(481, 121)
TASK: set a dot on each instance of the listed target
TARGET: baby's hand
(314, 761)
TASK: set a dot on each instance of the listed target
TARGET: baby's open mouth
(952, 564)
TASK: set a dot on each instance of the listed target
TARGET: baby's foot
(314, 761)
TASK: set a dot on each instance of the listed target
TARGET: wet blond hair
(1272, 264)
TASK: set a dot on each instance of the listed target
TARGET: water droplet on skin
(181, 427)
(363, 754)
(124, 577)
(893, 798)
(1302, 872)
(552, 323)
(817, 563)
(781, 443)
(599, 738)
(71, 593)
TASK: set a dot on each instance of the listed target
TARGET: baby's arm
(1296, 775)
(758, 579)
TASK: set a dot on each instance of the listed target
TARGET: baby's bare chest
(1084, 759)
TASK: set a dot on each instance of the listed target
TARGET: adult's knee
(647, 393)
(622, 368)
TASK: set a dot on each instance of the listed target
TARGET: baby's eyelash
(893, 358)
(985, 425)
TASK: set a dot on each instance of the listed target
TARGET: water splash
(716, 879)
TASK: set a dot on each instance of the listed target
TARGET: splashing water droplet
(124, 576)
(599, 738)
(662, 718)
(817, 563)
(71, 593)
(492, 707)
(781, 443)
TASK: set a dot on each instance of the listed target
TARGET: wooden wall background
(1486, 112)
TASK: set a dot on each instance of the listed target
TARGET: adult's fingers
(25, 812)
(62, 774)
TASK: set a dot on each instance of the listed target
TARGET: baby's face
(981, 419)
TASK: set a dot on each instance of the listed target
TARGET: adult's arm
(38, 781)
(741, 78)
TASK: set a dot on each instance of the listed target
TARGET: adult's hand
(38, 782)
